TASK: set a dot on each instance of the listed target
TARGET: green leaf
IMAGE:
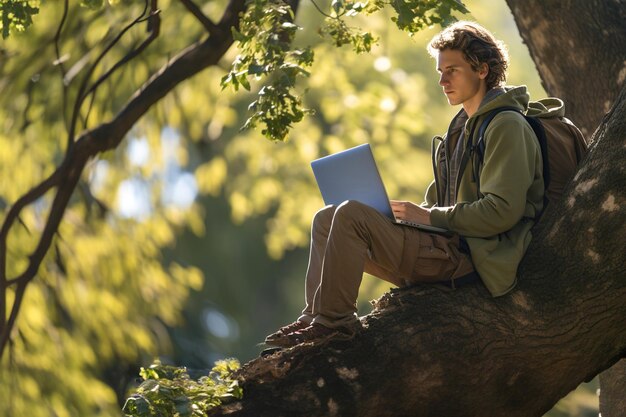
(238, 36)
(243, 80)
(256, 69)
(337, 6)
(136, 405)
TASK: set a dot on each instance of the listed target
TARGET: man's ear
(483, 71)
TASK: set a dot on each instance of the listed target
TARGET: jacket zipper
(434, 152)
(446, 161)
(466, 157)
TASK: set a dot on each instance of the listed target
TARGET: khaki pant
(353, 237)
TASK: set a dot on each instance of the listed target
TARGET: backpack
(562, 144)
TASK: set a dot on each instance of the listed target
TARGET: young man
(490, 206)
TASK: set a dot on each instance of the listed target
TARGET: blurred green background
(189, 242)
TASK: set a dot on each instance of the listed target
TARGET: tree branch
(91, 200)
(80, 97)
(13, 214)
(154, 26)
(8, 326)
(105, 137)
(189, 62)
(70, 171)
(59, 60)
(208, 24)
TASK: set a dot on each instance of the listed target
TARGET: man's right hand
(406, 210)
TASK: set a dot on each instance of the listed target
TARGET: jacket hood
(547, 107)
(511, 96)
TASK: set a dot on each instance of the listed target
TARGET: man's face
(461, 84)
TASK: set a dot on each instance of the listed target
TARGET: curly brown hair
(479, 47)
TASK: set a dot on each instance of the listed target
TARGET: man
(489, 205)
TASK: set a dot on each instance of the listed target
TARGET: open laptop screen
(352, 175)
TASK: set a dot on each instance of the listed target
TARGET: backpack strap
(540, 132)
(537, 127)
(478, 146)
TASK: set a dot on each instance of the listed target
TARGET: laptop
(353, 175)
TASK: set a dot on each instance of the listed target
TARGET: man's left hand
(406, 210)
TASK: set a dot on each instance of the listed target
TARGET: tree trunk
(579, 49)
(425, 351)
(560, 40)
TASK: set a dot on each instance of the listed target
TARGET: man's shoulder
(506, 121)
(508, 116)
(510, 126)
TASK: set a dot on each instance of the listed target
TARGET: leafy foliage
(338, 30)
(104, 295)
(265, 43)
(264, 38)
(415, 15)
(17, 15)
(169, 391)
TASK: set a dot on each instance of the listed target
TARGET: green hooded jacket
(496, 220)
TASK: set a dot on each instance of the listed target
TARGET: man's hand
(405, 210)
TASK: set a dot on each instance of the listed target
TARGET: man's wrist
(438, 217)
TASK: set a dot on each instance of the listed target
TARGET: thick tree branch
(14, 212)
(592, 32)
(208, 24)
(189, 62)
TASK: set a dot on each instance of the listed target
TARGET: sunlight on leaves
(169, 390)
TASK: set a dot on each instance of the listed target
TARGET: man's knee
(351, 211)
(324, 216)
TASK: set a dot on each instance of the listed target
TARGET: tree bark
(587, 36)
(579, 49)
(612, 392)
(425, 351)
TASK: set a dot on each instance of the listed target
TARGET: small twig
(154, 23)
(208, 24)
(8, 326)
(29, 102)
(59, 62)
(58, 260)
(321, 11)
(91, 102)
(91, 199)
(83, 87)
